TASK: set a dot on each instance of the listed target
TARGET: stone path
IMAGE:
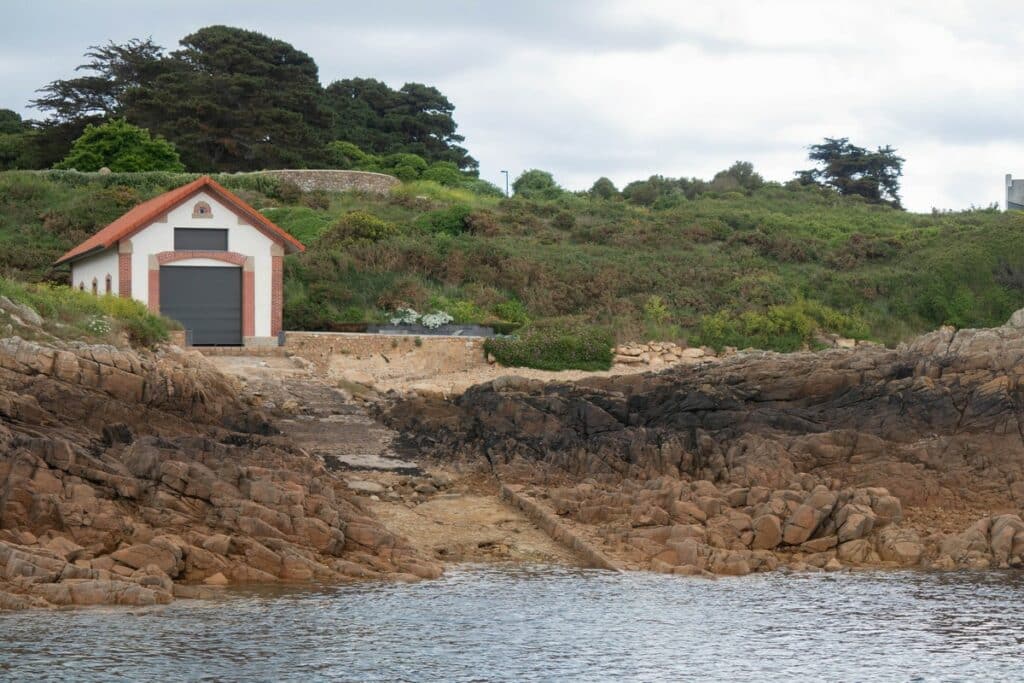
(464, 521)
(325, 421)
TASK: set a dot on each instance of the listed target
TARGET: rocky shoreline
(863, 457)
(130, 478)
(135, 477)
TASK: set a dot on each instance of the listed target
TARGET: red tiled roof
(148, 211)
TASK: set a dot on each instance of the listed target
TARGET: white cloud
(627, 89)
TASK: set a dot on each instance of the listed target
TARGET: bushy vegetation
(120, 146)
(71, 314)
(764, 265)
(555, 346)
(406, 167)
(788, 327)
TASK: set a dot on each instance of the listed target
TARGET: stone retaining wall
(336, 181)
(377, 353)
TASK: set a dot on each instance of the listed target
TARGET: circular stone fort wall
(335, 181)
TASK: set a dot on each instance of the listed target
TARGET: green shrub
(482, 187)
(512, 311)
(462, 311)
(317, 199)
(655, 310)
(564, 220)
(453, 220)
(444, 173)
(603, 188)
(302, 222)
(536, 184)
(267, 185)
(120, 146)
(356, 226)
(354, 314)
(438, 193)
(555, 347)
(287, 192)
(345, 155)
(779, 328)
(405, 167)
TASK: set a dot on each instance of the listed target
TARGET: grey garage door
(206, 300)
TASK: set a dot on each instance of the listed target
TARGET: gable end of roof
(143, 215)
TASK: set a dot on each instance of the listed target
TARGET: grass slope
(771, 268)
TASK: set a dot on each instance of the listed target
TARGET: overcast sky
(626, 89)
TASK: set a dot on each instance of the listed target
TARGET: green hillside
(767, 267)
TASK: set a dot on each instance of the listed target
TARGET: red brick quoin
(276, 293)
(124, 275)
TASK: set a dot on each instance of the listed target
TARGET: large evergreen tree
(416, 119)
(235, 100)
(852, 170)
(93, 97)
(110, 71)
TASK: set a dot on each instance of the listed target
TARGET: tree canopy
(415, 119)
(121, 147)
(853, 170)
(232, 100)
(15, 138)
(536, 184)
(603, 188)
(235, 100)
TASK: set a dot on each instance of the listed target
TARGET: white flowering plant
(432, 321)
(405, 316)
(98, 325)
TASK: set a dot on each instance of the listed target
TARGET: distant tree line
(232, 100)
(843, 167)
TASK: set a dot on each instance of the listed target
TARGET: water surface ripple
(547, 624)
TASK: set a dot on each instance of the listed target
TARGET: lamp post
(506, 182)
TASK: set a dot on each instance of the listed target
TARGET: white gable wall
(242, 238)
(97, 266)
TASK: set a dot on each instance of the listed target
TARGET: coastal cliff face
(911, 456)
(133, 477)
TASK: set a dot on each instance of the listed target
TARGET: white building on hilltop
(1014, 193)
(198, 254)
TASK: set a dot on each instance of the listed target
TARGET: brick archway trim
(234, 258)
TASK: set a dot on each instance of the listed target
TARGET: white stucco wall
(242, 238)
(96, 266)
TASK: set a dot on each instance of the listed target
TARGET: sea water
(495, 623)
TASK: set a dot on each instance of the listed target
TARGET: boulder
(859, 551)
(143, 554)
(854, 521)
(767, 532)
(801, 525)
(1006, 539)
(902, 546)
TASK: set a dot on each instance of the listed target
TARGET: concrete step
(256, 351)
